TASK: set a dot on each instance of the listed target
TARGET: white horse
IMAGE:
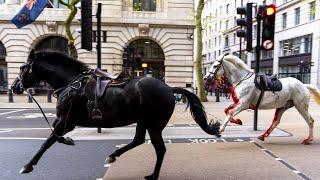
(245, 94)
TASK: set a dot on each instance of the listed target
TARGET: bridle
(217, 68)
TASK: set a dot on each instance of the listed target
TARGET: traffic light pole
(257, 63)
(98, 16)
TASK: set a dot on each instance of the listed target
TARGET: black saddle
(267, 83)
(97, 85)
(100, 80)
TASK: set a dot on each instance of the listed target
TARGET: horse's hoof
(26, 169)
(261, 138)
(66, 140)
(110, 160)
(238, 121)
(151, 177)
(306, 142)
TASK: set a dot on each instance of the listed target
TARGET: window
(220, 25)
(312, 12)
(227, 8)
(297, 16)
(2, 1)
(104, 36)
(215, 41)
(226, 41)
(216, 27)
(274, 1)
(284, 20)
(235, 21)
(234, 38)
(227, 24)
(144, 5)
(299, 45)
(56, 3)
(235, 4)
(219, 41)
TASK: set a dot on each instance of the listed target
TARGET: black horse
(146, 101)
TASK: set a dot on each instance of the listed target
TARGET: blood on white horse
(245, 95)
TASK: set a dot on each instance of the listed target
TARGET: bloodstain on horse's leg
(236, 102)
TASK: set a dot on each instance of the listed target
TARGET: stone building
(160, 31)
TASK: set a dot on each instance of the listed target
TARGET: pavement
(281, 156)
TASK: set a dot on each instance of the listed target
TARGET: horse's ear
(32, 55)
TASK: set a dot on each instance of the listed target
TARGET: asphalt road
(22, 131)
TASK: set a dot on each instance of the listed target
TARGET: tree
(67, 25)
(198, 55)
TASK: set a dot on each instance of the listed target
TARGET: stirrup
(96, 114)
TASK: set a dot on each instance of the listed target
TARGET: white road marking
(21, 138)
(278, 159)
(5, 130)
(297, 172)
(9, 112)
(99, 179)
(106, 165)
(23, 129)
(31, 116)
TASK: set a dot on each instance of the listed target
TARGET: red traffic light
(271, 10)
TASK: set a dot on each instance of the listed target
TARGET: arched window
(146, 58)
(3, 69)
(144, 5)
(53, 43)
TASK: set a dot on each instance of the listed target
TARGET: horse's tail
(315, 92)
(198, 113)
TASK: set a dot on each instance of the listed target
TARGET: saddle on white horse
(267, 83)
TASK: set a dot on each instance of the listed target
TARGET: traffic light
(86, 24)
(245, 22)
(268, 17)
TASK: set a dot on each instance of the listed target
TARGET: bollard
(29, 97)
(49, 94)
(10, 94)
(217, 95)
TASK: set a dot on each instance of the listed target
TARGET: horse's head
(26, 77)
(215, 70)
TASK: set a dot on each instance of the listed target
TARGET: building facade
(297, 33)
(160, 32)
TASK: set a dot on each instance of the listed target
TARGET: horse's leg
(57, 133)
(160, 148)
(231, 113)
(303, 110)
(63, 140)
(276, 120)
(138, 139)
(226, 111)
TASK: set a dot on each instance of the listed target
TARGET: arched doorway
(3, 69)
(144, 58)
(52, 43)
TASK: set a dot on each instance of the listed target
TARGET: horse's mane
(237, 62)
(59, 58)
